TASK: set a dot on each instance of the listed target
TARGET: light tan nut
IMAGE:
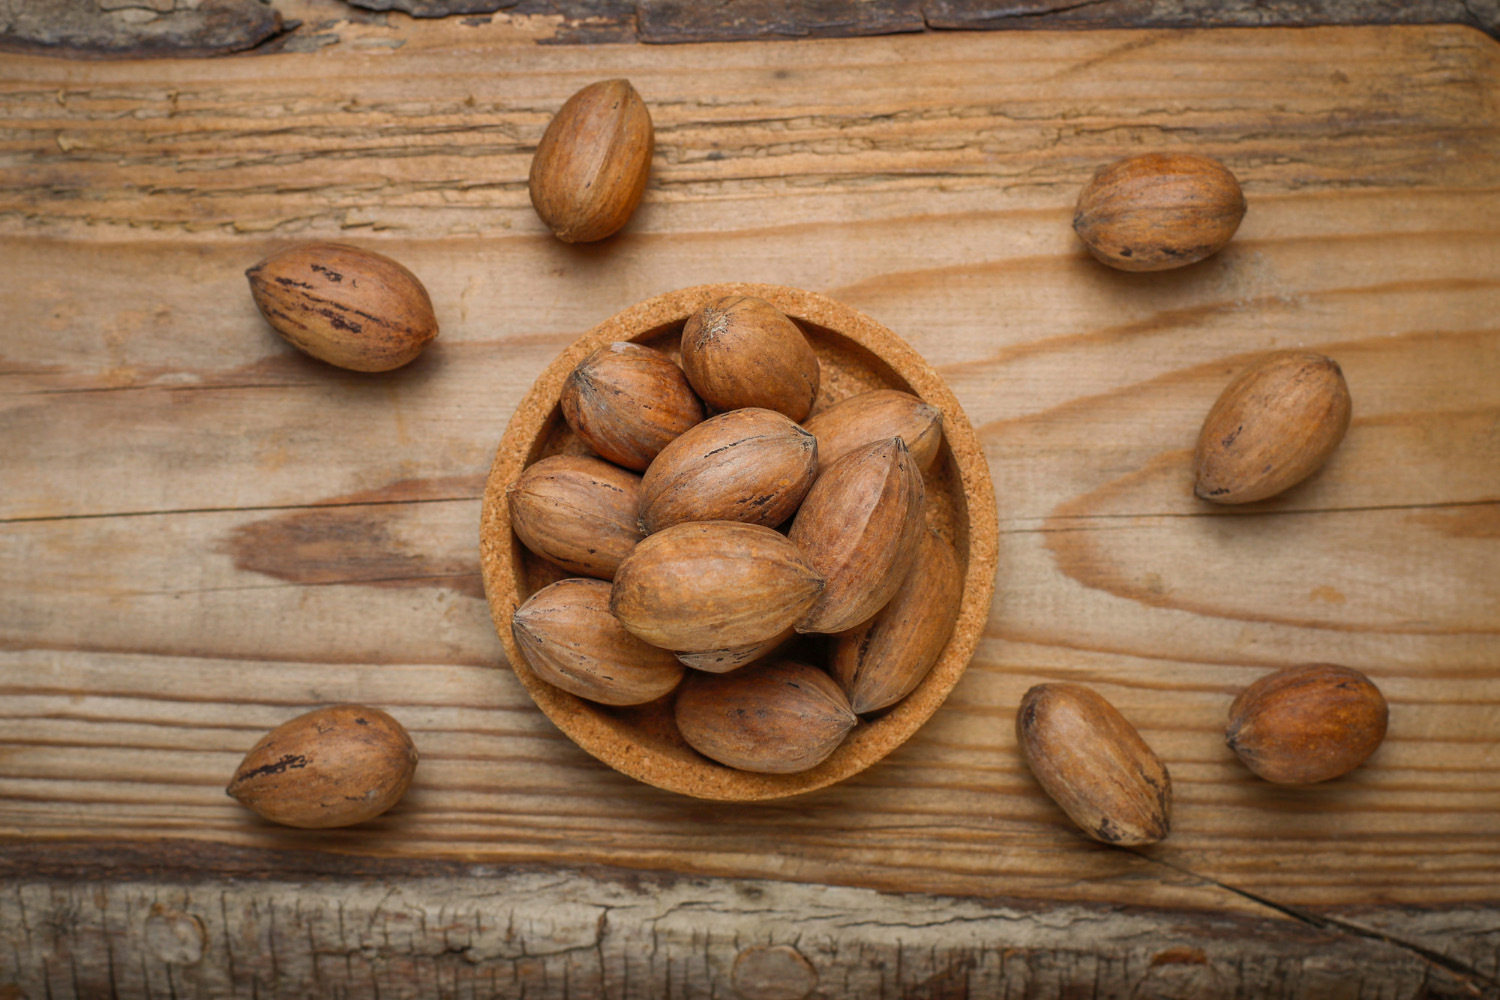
(332, 767)
(1159, 211)
(860, 527)
(1094, 764)
(568, 636)
(1271, 428)
(750, 465)
(742, 351)
(875, 416)
(591, 167)
(577, 512)
(774, 717)
(628, 402)
(882, 661)
(1307, 724)
(710, 585)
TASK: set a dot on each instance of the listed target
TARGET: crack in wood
(248, 509)
(566, 934)
(1462, 969)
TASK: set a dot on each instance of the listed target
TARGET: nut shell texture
(1307, 724)
(349, 307)
(711, 585)
(741, 351)
(577, 512)
(749, 465)
(591, 167)
(1272, 427)
(860, 527)
(332, 767)
(568, 636)
(721, 661)
(875, 416)
(628, 402)
(776, 717)
(1159, 211)
(880, 662)
(1094, 764)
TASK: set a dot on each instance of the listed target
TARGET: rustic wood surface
(204, 533)
(191, 28)
(557, 932)
(160, 28)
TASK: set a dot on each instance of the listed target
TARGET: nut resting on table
(590, 169)
(1307, 724)
(353, 308)
(1272, 427)
(736, 549)
(1094, 764)
(335, 766)
(1159, 211)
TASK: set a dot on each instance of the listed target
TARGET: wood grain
(204, 534)
(609, 933)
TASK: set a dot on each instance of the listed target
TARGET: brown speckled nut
(334, 766)
(353, 308)
(855, 355)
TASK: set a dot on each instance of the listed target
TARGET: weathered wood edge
(80, 28)
(83, 28)
(188, 919)
(685, 21)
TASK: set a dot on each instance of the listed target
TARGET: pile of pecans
(688, 586)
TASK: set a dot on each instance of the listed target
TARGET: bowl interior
(856, 354)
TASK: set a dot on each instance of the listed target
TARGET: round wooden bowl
(856, 354)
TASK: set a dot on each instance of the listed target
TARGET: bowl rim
(586, 724)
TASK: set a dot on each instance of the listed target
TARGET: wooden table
(204, 533)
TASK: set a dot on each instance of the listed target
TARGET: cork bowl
(856, 354)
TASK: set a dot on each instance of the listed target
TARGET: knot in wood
(773, 972)
(174, 937)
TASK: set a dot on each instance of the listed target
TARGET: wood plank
(150, 743)
(683, 21)
(1050, 15)
(156, 28)
(114, 28)
(568, 934)
(203, 533)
